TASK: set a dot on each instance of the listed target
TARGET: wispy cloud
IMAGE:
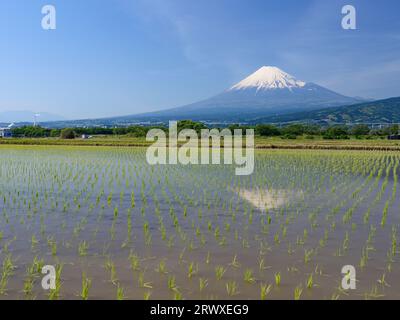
(371, 81)
(180, 24)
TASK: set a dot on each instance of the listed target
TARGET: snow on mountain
(269, 78)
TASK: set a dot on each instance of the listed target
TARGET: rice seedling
(219, 272)
(373, 293)
(171, 283)
(235, 262)
(310, 282)
(277, 277)
(36, 266)
(7, 270)
(83, 248)
(307, 255)
(265, 290)
(203, 283)
(192, 269)
(208, 258)
(55, 293)
(34, 242)
(28, 286)
(297, 292)
(134, 261)
(177, 295)
(147, 295)
(232, 288)
(162, 267)
(248, 276)
(142, 282)
(120, 293)
(261, 264)
(382, 281)
(110, 266)
(86, 284)
(364, 258)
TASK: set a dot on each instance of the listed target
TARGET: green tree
(394, 129)
(137, 131)
(294, 130)
(67, 133)
(55, 133)
(267, 130)
(336, 132)
(360, 130)
(31, 132)
(189, 124)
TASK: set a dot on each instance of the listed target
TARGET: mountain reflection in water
(264, 199)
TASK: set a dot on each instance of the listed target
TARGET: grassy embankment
(260, 143)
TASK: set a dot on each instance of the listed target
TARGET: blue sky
(117, 57)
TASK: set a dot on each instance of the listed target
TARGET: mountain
(268, 91)
(27, 116)
(380, 111)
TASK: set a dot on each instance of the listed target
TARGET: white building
(5, 133)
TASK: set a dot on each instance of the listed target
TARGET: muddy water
(301, 214)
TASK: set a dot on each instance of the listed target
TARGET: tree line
(291, 131)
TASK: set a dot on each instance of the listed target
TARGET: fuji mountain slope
(379, 111)
(268, 91)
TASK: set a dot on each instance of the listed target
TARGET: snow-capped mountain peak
(267, 92)
(268, 78)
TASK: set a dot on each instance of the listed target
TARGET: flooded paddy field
(115, 227)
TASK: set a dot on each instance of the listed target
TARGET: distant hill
(27, 116)
(380, 111)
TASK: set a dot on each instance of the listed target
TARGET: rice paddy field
(115, 227)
